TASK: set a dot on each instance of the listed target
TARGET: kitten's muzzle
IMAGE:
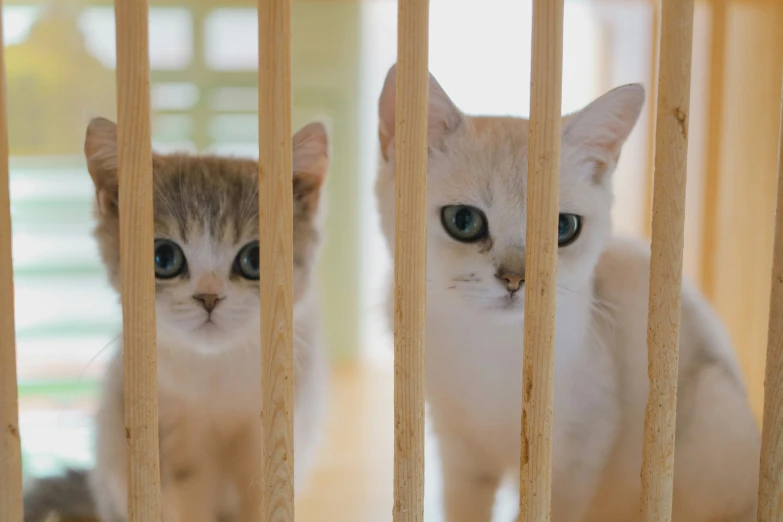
(208, 301)
(512, 280)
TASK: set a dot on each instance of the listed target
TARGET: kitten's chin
(507, 309)
(210, 332)
(510, 308)
(207, 338)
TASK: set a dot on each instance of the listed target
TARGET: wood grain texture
(137, 260)
(276, 480)
(668, 226)
(712, 151)
(771, 471)
(10, 444)
(543, 186)
(410, 258)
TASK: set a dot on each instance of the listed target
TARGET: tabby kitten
(207, 303)
(476, 185)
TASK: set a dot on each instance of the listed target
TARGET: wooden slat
(410, 258)
(10, 447)
(668, 224)
(771, 472)
(276, 261)
(543, 187)
(714, 146)
(137, 254)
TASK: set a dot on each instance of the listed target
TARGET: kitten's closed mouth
(209, 324)
(510, 302)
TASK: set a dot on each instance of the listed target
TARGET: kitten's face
(476, 192)
(206, 238)
(477, 204)
(206, 256)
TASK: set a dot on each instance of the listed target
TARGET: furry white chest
(223, 385)
(474, 371)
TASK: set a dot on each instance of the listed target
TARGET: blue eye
(169, 259)
(568, 229)
(246, 263)
(464, 223)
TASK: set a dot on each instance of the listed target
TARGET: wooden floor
(352, 477)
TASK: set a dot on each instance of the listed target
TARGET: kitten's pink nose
(512, 280)
(208, 301)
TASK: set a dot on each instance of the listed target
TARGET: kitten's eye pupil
(464, 223)
(463, 219)
(169, 259)
(252, 258)
(164, 257)
(247, 264)
(568, 229)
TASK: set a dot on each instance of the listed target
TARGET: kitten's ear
(100, 150)
(444, 116)
(603, 126)
(310, 162)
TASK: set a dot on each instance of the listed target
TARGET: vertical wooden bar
(652, 108)
(771, 471)
(10, 445)
(410, 258)
(712, 158)
(543, 185)
(137, 255)
(668, 226)
(276, 260)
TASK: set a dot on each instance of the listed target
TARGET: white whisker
(98, 353)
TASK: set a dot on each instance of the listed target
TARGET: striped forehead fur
(197, 195)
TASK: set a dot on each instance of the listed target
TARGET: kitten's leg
(191, 492)
(716, 451)
(469, 480)
(185, 496)
(586, 426)
(109, 490)
(244, 462)
(108, 479)
(191, 475)
(573, 494)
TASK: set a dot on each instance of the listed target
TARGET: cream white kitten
(207, 303)
(475, 304)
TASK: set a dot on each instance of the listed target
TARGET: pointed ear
(444, 116)
(605, 124)
(100, 150)
(310, 162)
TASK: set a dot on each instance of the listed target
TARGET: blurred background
(60, 73)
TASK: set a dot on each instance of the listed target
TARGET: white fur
(475, 332)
